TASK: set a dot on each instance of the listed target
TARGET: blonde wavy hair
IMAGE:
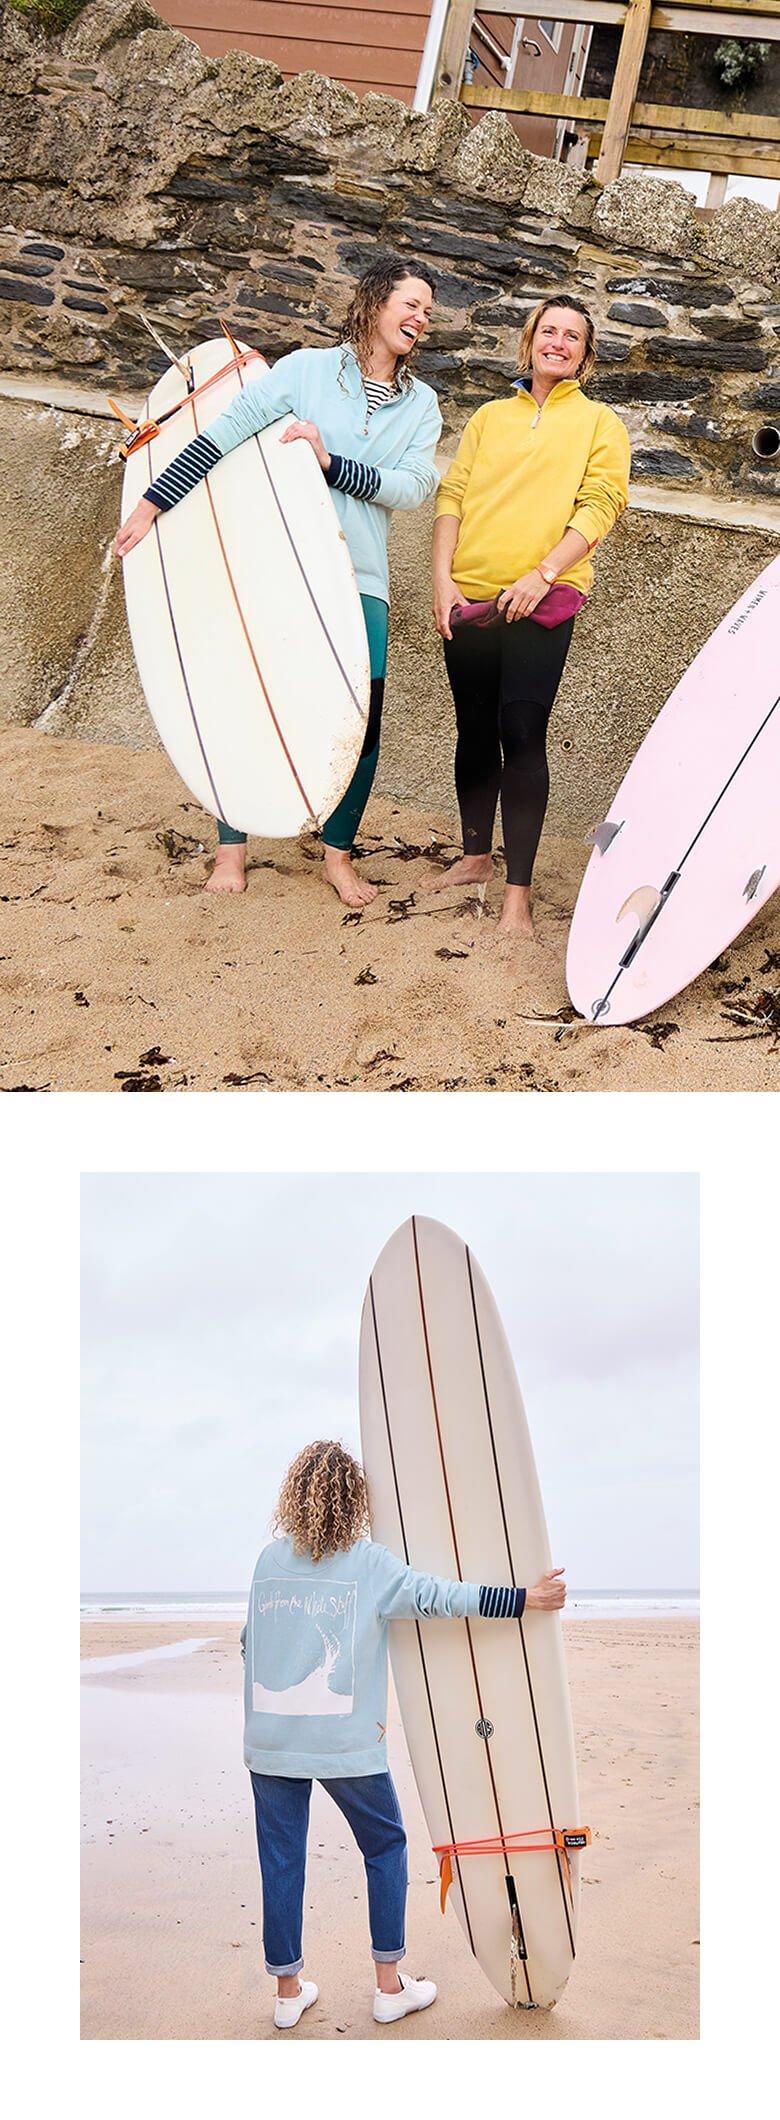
(560, 301)
(323, 1505)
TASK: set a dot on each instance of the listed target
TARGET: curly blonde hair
(560, 301)
(323, 1504)
(370, 295)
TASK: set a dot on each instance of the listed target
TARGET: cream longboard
(690, 849)
(245, 616)
(485, 1703)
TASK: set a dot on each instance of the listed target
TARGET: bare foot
(516, 912)
(351, 888)
(471, 868)
(229, 871)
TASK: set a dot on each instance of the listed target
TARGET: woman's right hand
(549, 1594)
(445, 595)
(136, 527)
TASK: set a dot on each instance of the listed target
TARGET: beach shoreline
(118, 974)
(171, 1900)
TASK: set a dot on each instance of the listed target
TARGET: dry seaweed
(754, 1019)
(658, 1033)
(240, 1081)
(179, 846)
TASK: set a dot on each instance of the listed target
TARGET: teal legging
(342, 827)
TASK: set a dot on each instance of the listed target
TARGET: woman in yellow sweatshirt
(538, 481)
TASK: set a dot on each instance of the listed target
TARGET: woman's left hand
(522, 597)
(305, 431)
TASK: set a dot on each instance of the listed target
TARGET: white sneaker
(288, 2009)
(414, 1995)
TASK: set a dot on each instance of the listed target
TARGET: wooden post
(624, 90)
(716, 190)
(454, 46)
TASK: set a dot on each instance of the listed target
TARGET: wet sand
(171, 1898)
(116, 973)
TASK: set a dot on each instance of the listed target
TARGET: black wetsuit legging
(504, 679)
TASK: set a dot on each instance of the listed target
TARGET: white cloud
(220, 1323)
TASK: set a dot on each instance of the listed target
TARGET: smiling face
(404, 316)
(560, 344)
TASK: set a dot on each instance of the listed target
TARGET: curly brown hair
(323, 1504)
(560, 301)
(369, 297)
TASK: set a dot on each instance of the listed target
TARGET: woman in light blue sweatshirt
(315, 1702)
(373, 427)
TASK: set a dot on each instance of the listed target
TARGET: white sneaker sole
(412, 2009)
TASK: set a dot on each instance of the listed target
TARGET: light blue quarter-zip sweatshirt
(315, 1682)
(396, 444)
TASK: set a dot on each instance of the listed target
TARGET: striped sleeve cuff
(361, 480)
(500, 1604)
(185, 472)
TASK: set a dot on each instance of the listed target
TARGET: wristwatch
(548, 574)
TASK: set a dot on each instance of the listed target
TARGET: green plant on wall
(736, 65)
(51, 15)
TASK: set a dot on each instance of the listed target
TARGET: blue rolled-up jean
(370, 1806)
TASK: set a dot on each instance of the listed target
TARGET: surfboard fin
(445, 1880)
(602, 836)
(642, 902)
(753, 882)
(185, 367)
(233, 343)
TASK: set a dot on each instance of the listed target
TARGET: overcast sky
(220, 1332)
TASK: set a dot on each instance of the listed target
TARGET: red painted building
(394, 48)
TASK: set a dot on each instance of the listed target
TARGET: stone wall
(139, 175)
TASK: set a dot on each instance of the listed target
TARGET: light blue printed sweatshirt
(379, 463)
(315, 1681)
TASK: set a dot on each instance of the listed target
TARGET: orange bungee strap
(141, 431)
(540, 1840)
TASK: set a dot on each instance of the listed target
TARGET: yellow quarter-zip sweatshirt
(523, 475)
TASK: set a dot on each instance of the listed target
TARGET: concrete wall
(663, 582)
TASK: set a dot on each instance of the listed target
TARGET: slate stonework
(136, 173)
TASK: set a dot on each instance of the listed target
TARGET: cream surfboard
(689, 850)
(485, 1703)
(244, 614)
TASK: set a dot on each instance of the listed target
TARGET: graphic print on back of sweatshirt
(303, 1644)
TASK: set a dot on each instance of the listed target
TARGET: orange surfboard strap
(140, 434)
(539, 1840)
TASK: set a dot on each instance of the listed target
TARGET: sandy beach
(118, 974)
(171, 1898)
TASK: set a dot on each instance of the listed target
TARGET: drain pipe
(766, 443)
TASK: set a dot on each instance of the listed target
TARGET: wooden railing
(618, 128)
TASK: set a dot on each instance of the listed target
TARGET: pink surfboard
(690, 848)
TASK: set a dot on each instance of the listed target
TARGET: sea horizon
(586, 1603)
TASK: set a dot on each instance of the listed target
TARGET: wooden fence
(618, 129)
